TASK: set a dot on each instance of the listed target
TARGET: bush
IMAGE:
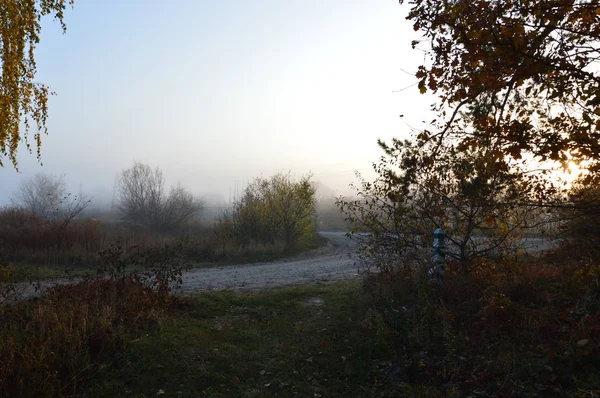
(275, 210)
(536, 325)
(158, 267)
(50, 346)
(25, 237)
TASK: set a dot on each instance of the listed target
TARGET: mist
(217, 95)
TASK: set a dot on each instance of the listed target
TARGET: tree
(143, 200)
(581, 222)
(471, 194)
(22, 99)
(46, 196)
(523, 72)
(41, 195)
(276, 209)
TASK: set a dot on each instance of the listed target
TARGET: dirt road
(333, 262)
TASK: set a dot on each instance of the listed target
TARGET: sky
(216, 93)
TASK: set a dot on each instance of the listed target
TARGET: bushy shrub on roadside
(274, 210)
(51, 345)
(536, 324)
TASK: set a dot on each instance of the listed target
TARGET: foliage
(522, 72)
(506, 330)
(51, 346)
(158, 267)
(143, 200)
(30, 244)
(581, 225)
(22, 99)
(275, 209)
(473, 195)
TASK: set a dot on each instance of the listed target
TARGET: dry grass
(50, 346)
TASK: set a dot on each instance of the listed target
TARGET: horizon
(217, 95)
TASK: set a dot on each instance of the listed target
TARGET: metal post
(439, 255)
(439, 243)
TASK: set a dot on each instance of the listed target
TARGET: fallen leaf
(583, 342)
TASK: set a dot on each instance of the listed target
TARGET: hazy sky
(218, 92)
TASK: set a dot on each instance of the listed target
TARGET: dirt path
(334, 262)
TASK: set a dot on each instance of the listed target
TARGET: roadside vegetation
(46, 232)
(518, 93)
(519, 332)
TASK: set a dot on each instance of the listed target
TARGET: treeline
(46, 224)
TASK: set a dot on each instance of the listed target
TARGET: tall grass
(28, 240)
(50, 346)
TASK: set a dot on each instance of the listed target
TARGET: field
(527, 331)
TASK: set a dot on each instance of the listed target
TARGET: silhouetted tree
(143, 200)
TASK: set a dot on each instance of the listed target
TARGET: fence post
(439, 255)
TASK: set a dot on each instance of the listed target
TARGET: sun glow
(571, 172)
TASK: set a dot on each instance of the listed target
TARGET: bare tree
(140, 194)
(46, 196)
(41, 195)
(179, 207)
(142, 199)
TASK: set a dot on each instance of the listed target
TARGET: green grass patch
(301, 341)
(533, 331)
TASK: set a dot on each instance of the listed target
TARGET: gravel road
(333, 262)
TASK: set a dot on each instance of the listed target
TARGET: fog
(218, 93)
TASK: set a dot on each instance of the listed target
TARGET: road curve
(333, 262)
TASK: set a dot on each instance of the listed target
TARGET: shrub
(274, 210)
(50, 346)
(158, 267)
(535, 324)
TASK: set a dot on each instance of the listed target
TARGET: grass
(528, 329)
(302, 341)
(535, 332)
(50, 346)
